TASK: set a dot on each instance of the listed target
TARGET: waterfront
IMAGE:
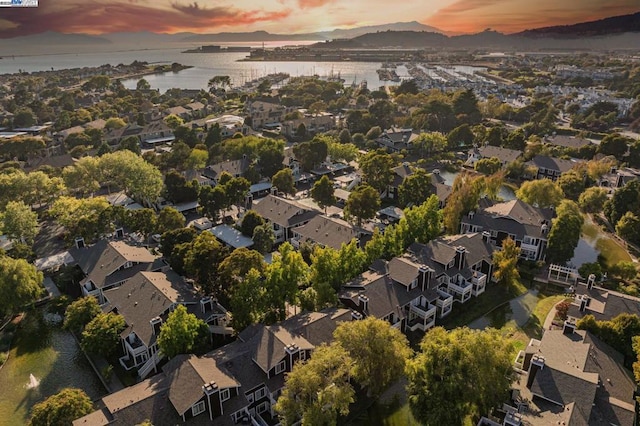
(43, 360)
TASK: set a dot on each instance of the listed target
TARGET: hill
(54, 38)
(607, 26)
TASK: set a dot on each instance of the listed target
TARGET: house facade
(549, 167)
(505, 155)
(396, 139)
(528, 226)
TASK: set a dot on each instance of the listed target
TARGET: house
(528, 226)
(231, 237)
(571, 377)
(570, 142)
(108, 264)
(549, 167)
(505, 155)
(325, 231)
(284, 215)
(235, 384)
(236, 168)
(602, 303)
(265, 113)
(179, 111)
(396, 139)
(229, 125)
(462, 264)
(617, 178)
(313, 123)
(145, 301)
(154, 133)
(399, 174)
(439, 188)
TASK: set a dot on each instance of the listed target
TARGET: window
(225, 394)
(303, 355)
(414, 284)
(249, 397)
(281, 367)
(261, 393)
(198, 408)
(262, 408)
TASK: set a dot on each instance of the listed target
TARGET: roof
(567, 141)
(605, 304)
(145, 296)
(187, 374)
(514, 217)
(442, 251)
(328, 232)
(284, 212)
(505, 155)
(233, 167)
(231, 236)
(552, 163)
(403, 270)
(104, 258)
(271, 342)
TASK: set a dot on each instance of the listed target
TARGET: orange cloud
(308, 4)
(132, 15)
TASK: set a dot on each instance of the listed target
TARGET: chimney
(486, 236)
(356, 316)
(424, 276)
(460, 252)
(363, 303)
(537, 363)
(119, 233)
(80, 242)
(569, 327)
(591, 281)
(206, 304)
(471, 214)
(544, 228)
(583, 303)
(156, 323)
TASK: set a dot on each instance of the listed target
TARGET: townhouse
(396, 139)
(327, 232)
(284, 215)
(505, 155)
(549, 167)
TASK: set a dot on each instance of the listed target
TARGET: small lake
(594, 242)
(54, 359)
(517, 310)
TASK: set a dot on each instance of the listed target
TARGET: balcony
(444, 303)
(424, 310)
(479, 283)
(134, 345)
(460, 289)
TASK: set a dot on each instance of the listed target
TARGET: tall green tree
(250, 220)
(283, 180)
(363, 203)
(566, 229)
(201, 260)
(170, 219)
(248, 300)
(415, 188)
(572, 184)
(263, 238)
(322, 193)
(102, 334)
(541, 193)
(317, 391)
(80, 313)
(505, 262)
(625, 199)
(213, 200)
(286, 273)
(379, 352)
(592, 200)
(376, 169)
(628, 227)
(464, 198)
(20, 284)
(62, 408)
(182, 333)
(424, 221)
(459, 375)
(19, 222)
(488, 166)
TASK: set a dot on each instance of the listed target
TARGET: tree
(131, 143)
(628, 227)
(19, 222)
(541, 193)
(142, 220)
(363, 203)
(236, 190)
(488, 166)
(572, 184)
(263, 238)
(173, 121)
(250, 220)
(625, 199)
(247, 300)
(617, 332)
(270, 156)
(170, 219)
(284, 275)
(344, 136)
(459, 375)
(143, 84)
(317, 391)
(309, 154)
(415, 188)
(566, 229)
(464, 197)
(141, 180)
(213, 200)
(283, 180)
(461, 135)
(614, 144)
(197, 159)
(20, 284)
(376, 169)
(506, 262)
(80, 313)
(201, 259)
(421, 223)
(465, 107)
(379, 352)
(322, 193)
(592, 200)
(624, 270)
(114, 123)
(62, 408)
(24, 117)
(102, 334)
(182, 333)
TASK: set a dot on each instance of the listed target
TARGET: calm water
(518, 310)
(55, 360)
(505, 192)
(205, 66)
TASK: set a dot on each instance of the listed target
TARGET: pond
(506, 193)
(594, 242)
(43, 360)
(517, 310)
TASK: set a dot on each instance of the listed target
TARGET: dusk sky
(299, 16)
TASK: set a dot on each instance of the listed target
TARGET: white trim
(198, 408)
(225, 394)
(282, 365)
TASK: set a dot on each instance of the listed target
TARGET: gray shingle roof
(503, 154)
(328, 232)
(285, 213)
(551, 163)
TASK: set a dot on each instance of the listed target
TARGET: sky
(298, 16)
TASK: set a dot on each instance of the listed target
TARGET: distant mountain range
(620, 31)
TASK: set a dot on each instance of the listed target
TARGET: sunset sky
(298, 16)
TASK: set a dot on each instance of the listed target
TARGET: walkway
(51, 287)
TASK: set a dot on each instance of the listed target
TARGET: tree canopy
(182, 333)
(322, 193)
(19, 222)
(80, 313)
(566, 229)
(459, 375)
(376, 169)
(506, 262)
(541, 193)
(62, 408)
(102, 334)
(20, 284)
(363, 203)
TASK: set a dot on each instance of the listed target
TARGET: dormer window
(128, 264)
(281, 367)
(413, 284)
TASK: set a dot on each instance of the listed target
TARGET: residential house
(327, 232)
(179, 111)
(603, 304)
(236, 168)
(570, 142)
(528, 226)
(549, 167)
(439, 188)
(399, 174)
(231, 237)
(108, 264)
(154, 133)
(505, 155)
(313, 123)
(570, 377)
(396, 139)
(265, 113)
(229, 125)
(284, 215)
(145, 301)
(236, 384)
(617, 178)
